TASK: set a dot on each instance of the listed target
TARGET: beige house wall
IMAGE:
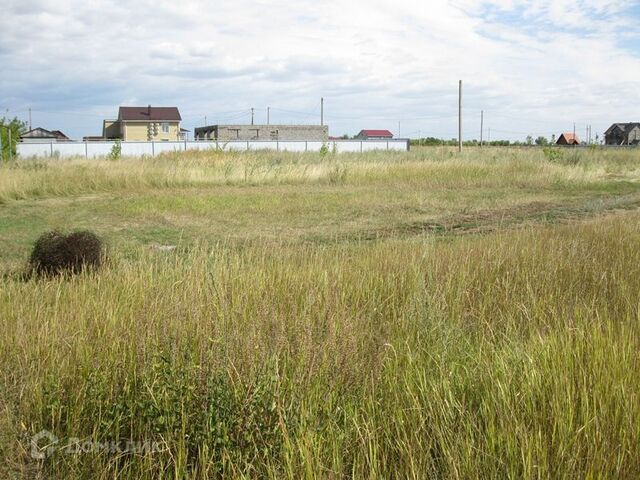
(111, 129)
(144, 131)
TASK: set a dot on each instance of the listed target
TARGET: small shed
(568, 139)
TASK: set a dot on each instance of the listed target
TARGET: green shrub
(553, 154)
(116, 151)
(324, 150)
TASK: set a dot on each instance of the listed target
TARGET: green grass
(423, 315)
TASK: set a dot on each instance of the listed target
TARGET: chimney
(149, 110)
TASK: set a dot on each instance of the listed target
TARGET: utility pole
(322, 111)
(574, 131)
(268, 111)
(252, 115)
(30, 127)
(489, 140)
(481, 126)
(398, 128)
(460, 116)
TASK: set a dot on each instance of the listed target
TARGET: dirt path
(487, 221)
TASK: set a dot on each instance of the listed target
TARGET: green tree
(542, 141)
(10, 130)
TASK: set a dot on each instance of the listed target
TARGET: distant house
(374, 135)
(568, 139)
(138, 124)
(623, 134)
(43, 135)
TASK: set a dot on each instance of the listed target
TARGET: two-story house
(623, 134)
(138, 124)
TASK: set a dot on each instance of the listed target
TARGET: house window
(165, 128)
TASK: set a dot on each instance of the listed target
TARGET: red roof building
(374, 135)
(568, 139)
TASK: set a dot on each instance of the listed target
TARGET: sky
(534, 68)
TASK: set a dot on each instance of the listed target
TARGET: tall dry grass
(506, 356)
(428, 167)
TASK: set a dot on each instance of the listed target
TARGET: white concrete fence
(136, 149)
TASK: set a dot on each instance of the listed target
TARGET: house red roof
(149, 113)
(570, 138)
(376, 133)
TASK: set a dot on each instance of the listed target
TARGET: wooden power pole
(321, 111)
(460, 116)
(481, 126)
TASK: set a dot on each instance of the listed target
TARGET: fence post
(247, 145)
(51, 148)
(360, 146)
(86, 150)
(387, 144)
(306, 146)
(153, 148)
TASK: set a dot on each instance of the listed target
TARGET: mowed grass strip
(265, 196)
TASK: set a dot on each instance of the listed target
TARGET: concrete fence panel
(129, 149)
(34, 149)
(374, 145)
(167, 147)
(346, 147)
(137, 149)
(292, 146)
(268, 145)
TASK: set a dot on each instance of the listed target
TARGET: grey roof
(44, 133)
(625, 127)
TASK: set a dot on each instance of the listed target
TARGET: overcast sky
(533, 67)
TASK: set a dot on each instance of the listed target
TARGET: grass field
(389, 315)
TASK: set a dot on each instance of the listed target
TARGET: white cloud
(534, 67)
